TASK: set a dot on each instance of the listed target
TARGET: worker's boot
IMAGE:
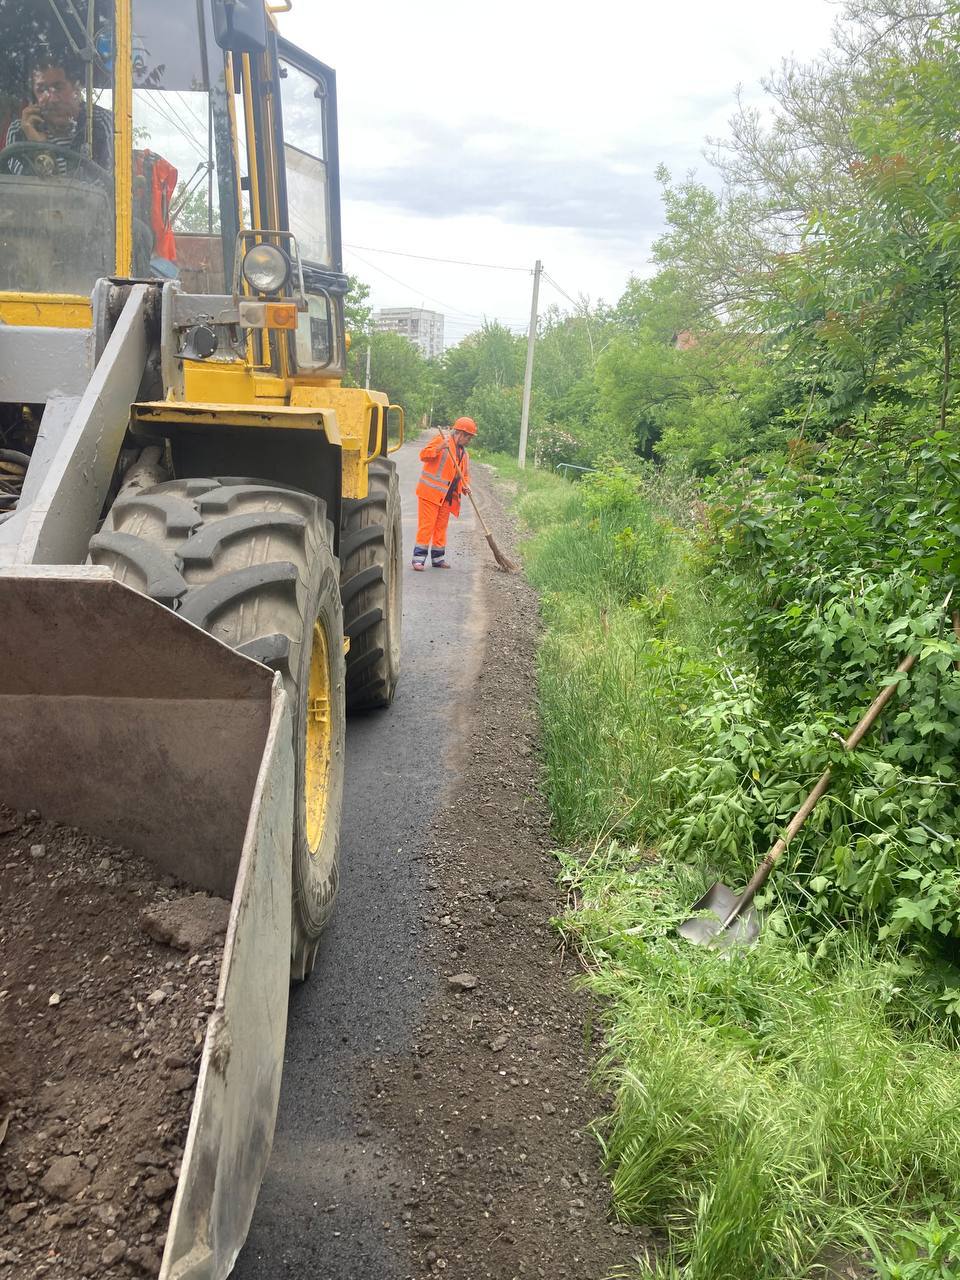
(437, 558)
(419, 558)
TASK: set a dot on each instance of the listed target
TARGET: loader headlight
(266, 268)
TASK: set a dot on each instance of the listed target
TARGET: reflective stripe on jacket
(439, 481)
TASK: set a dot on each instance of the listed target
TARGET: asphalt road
(326, 1197)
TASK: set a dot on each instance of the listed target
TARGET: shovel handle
(762, 873)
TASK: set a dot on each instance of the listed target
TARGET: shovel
(728, 918)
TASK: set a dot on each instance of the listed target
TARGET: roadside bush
(596, 440)
(820, 568)
(783, 1108)
(553, 444)
(624, 656)
(829, 590)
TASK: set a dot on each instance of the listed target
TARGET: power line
(466, 323)
(166, 110)
(559, 289)
(422, 292)
(185, 106)
(423, 257)
(405, 285)
(168, 115)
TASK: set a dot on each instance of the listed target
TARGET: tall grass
(626, 645)
(775, 1110)
(766, 1108)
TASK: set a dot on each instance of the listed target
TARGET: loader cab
(219, 131)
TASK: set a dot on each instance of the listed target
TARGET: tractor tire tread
(355, 584)
(273, 651)
(203, 604)
(370, 588)
(361, 624)
(351, 543)
(257, 569)
(180, 515)
(225, 497)
(159, 570)
(203, 546)
(363, 664)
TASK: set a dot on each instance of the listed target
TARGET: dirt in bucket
(108, 974)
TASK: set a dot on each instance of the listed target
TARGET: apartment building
(423, 328)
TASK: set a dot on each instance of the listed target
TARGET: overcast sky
(508, 130)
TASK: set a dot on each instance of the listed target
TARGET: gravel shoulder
(489, 1111)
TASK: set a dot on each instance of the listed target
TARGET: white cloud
(520, 129)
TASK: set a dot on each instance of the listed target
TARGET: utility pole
(366, 382)
(528, 372)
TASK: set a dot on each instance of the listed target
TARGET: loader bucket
(119, 717)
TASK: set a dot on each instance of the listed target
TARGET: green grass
(627, 644)
(766, 1108)
(773, 1108)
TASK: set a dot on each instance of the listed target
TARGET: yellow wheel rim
(319, 744)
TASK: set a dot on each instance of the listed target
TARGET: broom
(504, 561)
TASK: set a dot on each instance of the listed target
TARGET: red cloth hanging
(157, 186)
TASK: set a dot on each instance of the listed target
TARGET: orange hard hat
(466, 424)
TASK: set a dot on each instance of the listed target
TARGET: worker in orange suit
(445, 476)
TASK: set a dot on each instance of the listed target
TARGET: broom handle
(762, 873)
(453, 458)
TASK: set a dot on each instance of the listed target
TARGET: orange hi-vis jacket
(439, 481)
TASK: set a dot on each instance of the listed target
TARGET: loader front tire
(253, 564)
(370, 584)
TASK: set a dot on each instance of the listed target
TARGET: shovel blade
(706, 930)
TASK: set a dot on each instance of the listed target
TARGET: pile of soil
(108, 973)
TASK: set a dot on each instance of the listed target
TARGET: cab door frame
(326, 280)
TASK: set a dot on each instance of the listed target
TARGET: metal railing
(569, 466)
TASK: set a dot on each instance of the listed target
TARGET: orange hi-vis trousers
(432, 521)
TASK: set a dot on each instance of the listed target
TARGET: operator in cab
(57, 113)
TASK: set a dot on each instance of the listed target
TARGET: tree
(356, 307)
(398, 368)
(496, 411)
(871, 297)
(819, 279)
(357, 315)
(195, 215)
(491, 357)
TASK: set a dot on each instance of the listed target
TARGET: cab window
(305, 151)
(306, 155)
(56, 145)
(182, 158)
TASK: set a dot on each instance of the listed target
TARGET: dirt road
(426, 1126)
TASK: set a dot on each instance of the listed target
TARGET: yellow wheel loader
(199, 524)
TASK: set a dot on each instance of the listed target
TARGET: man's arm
(14, 135)
(433, 449)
